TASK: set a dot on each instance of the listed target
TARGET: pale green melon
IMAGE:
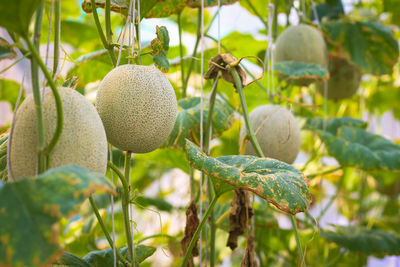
(301, 43)
(277, 132)
(345, 78)
(82, 142)
(137, 105)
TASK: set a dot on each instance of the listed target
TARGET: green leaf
(172, 158)
(3, 158)
(187, 124)
(392, 7)
(370, 45)
(368, 241)
(333, 124)
(80, 35)
(159, 203)
(9, 91)
(16, 15)
(32, 207)
(166, 8)
(105, 258)
(6, 50)
(209, 3)
(356, 147)
(277, 182)
(332, 9)
(160, 46)
(301, 70)
(70, 260)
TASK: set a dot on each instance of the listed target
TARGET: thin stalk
(137, 29)
(57, 25)
(124, 182)
(57, 98)
(324, 172)
(15, 62)
(125, 206)
(250, 132)
(296, 234)
(103, 227)
(256, 145)
(101, 33)
(36, 89)
(275, 21)
(181, 52)
(363, 185)
(108, 21)
(155, 236)
(252, 7)
(197, 233)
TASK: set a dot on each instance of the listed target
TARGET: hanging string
(201, 118)
(124, 32)
(112, 209)
(219, 27)
(325, 82)
(13, 120)
(132, 27)
(138, 33)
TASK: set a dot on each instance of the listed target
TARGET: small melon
(301, 43)
(277, 132)
(345, 78)
(138, 106)
(82, 142)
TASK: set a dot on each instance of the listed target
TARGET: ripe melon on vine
(138, 107)
(345, 78)
(82, 142)
(277, 132)
(301, 43)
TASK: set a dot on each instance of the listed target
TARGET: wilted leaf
(368, 241)
(277, 182)
(160, 46)
(208, 3)
(16, 15)
(6, 50)
(3, 158)
(370, 45)
(187, 124)
(166, 8)
(32, 207)
(301, 70)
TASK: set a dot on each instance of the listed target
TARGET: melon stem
(125, 206)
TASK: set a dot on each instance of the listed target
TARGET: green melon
(301, 43)
(345, 78)
(82, 142)
(277, 132)
(138, 106)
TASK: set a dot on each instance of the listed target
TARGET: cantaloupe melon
(345, 78)
(138, 106)
(82, 142)
(277, 132)
(301, 43)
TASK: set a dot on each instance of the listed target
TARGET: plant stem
(36, 90)
(332, 199)
(100, 31)
(250, 132)
(155, 236)
(254, 141)
(57, 98)
(197, 233)
(57, 25)
(324, 172)
(125, 206)
(124, 182)
(363, 185)
(103, 227)
(296, 234)
(181, 52)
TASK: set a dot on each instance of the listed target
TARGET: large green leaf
(187, 124)
(3, 158)
(9, 91)
(71, 260)
(30, 210)
(368, 44)
(301, 70)
(105, 258)
(81, 36)
(16, 15)
(6, 50)
(368, 241)
(393, 7)
(333, 124)
(331, 9)
(356, 147)
(277, 182)
(173, 158)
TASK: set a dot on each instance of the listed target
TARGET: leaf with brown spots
(187, 124)
(192, 222)
(31, 208)
(277, 182)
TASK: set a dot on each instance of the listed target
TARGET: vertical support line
(219, 27)
(57, 32)
(46, 61)
(121, 47)
(114, 248)
(133, 27)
